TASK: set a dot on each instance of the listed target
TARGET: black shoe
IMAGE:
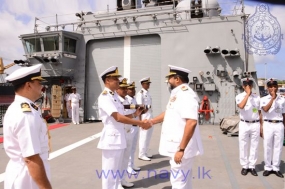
(253, 172)
(278, 174)
(266, 173)
(244, 171)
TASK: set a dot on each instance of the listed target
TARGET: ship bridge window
(33, 45)
(69, 45)
(51, 43)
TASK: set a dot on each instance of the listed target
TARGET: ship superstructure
(142, 39)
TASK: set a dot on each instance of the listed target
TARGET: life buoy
(205, 108)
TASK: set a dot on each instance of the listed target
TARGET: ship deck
(76, 162)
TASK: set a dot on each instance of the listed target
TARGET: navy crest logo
(264, 32)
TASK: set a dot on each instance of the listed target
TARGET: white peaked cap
(175, 70)
(145, 80)
(112, 71)
(25, 74)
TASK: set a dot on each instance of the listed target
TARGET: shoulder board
(34, 106)
(25, 107)
(183, 88)
(104, 92)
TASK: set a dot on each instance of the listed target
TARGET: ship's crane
(3, 68)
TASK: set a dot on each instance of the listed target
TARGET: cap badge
(25, 107)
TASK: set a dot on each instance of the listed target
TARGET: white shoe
(131, 171)
(144, 158)
(136, 168)
(126, 184)
(77, 123)
(74, 123)
(120, 187)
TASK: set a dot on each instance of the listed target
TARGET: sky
(18, 17)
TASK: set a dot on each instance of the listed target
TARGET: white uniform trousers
(135, 135)
(249, 134)
(145, 136)
(75, 112)
(111, 163)
(181, 174)
(68, 109)
(273, 134)
(127, 153)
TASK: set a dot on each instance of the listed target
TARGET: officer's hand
(261, 133)
(145, 124)
(178, 157)
(273, 94)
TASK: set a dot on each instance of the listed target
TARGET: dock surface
(76, 162)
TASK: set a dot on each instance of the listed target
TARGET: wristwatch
(180, 149)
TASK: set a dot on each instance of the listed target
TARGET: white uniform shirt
(113, 133)
(75, 98)
(182, 105)
(66, 97)
(276, 110)
(124, 101)
(250, 110)
(25, 135)
(143, 97)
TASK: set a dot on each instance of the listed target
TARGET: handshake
(146, 124)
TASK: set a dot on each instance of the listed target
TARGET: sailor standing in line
(75, 102)
(180, 134)
(273, 113)
(143, 97)
(67, 104)
(131, 92)
(25, 133)
(113, 140)
(249, 126)
(122, 93)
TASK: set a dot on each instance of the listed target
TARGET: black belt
(273, 121)
(135, 125)
(254, 121)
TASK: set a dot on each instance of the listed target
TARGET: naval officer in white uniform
(249, 126)
(113, 139)
(144, 97)
(273, 113)
(131, 92)
(25, 133)
(180, 134)
(122, 92)
(75, 102)
(67, 104)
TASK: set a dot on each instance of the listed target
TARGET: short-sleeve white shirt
(276, 110)
(25, 135)
(144, 97)
(182, 105)
(250, 110)
(74, 97)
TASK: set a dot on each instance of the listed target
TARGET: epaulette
(104, 92)
(25, 107)
(184, 88)
(111, 92)
(34, 106)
